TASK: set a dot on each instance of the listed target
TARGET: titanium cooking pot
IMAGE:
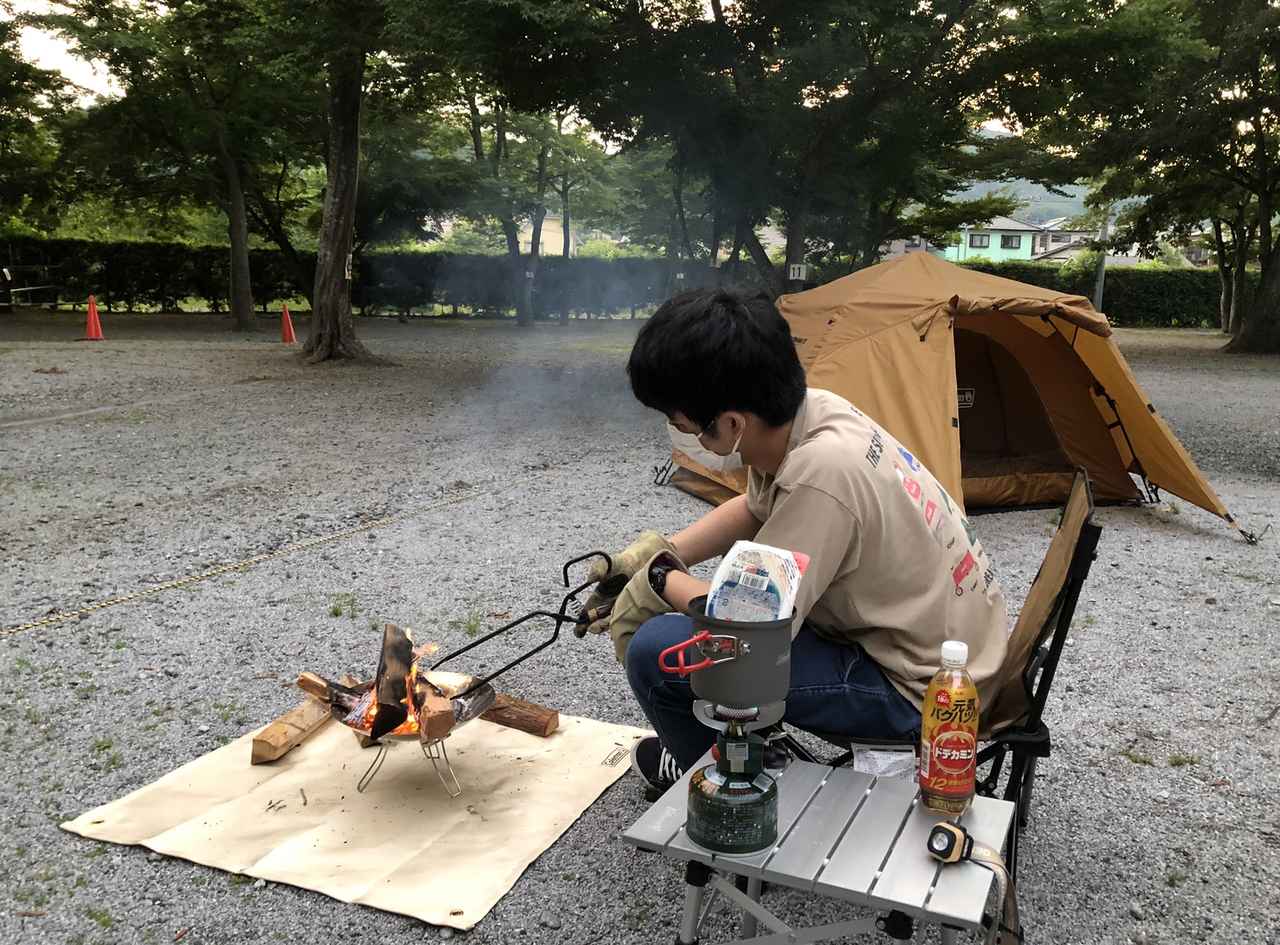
(733, 663)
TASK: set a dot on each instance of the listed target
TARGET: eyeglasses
(708, 430)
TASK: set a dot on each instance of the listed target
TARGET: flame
(364, 723)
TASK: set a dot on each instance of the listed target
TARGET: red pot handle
(681, 668)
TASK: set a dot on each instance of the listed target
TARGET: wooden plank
(814, 836)
(524, 716)
(855, 862)
(962, 888)
(289, 731)
(910, 871)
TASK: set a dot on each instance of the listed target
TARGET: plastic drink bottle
(949, 734)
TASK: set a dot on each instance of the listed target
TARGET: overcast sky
(50, 52)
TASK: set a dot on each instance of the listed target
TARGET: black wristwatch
(658, 577)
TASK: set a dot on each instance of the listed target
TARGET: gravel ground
(176, 445)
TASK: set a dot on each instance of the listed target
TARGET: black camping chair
(1014, 730)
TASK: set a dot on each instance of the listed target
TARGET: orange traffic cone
(93, 327)
(286, 326)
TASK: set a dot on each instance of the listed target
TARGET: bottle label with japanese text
(949, 742)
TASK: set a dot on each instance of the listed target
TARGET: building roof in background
(1008, 223)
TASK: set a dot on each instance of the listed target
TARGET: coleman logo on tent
(966, 397)
(798, 340)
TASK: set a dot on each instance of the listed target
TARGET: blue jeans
(835, 688)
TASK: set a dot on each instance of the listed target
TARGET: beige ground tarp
(404, 845)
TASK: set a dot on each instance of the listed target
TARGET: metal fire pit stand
(842, 834)
(570, 612)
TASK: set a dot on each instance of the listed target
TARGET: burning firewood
(401, 700)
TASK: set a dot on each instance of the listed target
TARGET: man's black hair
(706, 351)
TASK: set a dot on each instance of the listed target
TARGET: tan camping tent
(1001, 388)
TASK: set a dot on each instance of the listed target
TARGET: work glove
(626, 563)
(637, 603)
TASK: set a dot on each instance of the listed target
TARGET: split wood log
(289, 731)
(365, 741)
(524, 716)
(390, 683)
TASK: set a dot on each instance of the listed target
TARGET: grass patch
(1137, 757)
(1178, 760)
(340, 604)
(23, 665)
(239, 879)
(101, 744)
(471, 624)
(101, 916)
(1175, 879)
(229, 710)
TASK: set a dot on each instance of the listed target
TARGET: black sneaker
(655, 766)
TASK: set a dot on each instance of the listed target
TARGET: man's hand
(626, 563)
(637, 603)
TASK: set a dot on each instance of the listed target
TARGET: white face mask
(734, 453)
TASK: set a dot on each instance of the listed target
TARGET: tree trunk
(531, 264)
(535, 235)
(272, 224)
(1224, 277)
(515, 267)
(1259, 330)
(564, 254)
(768, 272)
(333, 333)
(797, 231)
(1100, 273)
(1243, 239)
(241, 292)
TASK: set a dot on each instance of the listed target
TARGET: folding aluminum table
(843, 834)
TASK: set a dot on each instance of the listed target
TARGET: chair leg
(1028, 783)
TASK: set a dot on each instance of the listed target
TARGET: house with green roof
(998, 239)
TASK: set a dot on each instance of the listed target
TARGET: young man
(895, 568)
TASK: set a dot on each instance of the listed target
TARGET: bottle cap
(955, 653)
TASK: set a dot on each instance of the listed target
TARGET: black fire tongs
(578, 617)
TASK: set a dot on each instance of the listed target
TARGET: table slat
(856, 861)
(806, 848)
(795, 786)
(962, 888)
(659, 824)
(910, 871)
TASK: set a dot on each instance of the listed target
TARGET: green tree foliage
(31, 100)
(1175, 102)
(839, 119)
(201, 90)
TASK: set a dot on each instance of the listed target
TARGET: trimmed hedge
(1131, 295)
(168, 275)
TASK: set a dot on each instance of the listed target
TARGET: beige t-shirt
(894, 564)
